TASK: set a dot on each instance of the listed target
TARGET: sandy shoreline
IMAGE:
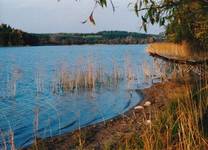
(117, 130)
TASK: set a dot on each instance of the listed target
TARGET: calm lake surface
(31, 107)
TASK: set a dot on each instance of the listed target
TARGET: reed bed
(90, 76)
(182, 51)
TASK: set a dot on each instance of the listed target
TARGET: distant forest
(14, 37)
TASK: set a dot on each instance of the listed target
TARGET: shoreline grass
(182, 51)
(179, 126)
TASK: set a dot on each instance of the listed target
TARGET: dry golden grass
(180, 126)
(174, 51)
(87, 76)
(183, 122)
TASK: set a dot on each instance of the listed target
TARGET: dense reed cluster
(86, 76)
(91, 75)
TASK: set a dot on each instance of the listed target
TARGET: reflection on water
(47, 91)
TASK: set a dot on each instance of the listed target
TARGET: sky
(51, 16)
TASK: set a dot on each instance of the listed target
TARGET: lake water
(31, 105)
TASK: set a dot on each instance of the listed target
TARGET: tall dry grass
(182, 125)
(15, 75)
(91, 75)
(182, 51)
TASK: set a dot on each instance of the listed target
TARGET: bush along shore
(173, 115)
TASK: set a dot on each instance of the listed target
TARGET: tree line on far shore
(14, 37)
(183, 20)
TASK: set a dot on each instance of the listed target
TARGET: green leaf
(157, 18)
(152, 2)
(162, 21)
(112, 4)
(103, 3)
(144, 19)
(136, 9)
(85, 21)
(150, 12)
(152, 20)
(140, 4)
(144, 25)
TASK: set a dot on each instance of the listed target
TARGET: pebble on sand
(147, 103)
(148, 122)
(139, 107)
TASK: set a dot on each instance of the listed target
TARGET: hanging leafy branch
(102, 3)
(155, 12)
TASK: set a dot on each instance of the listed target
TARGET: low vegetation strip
(181, 52)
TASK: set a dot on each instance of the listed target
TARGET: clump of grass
(7, 140)
(129, 73)
(176, 128)
(3, 138)
(36, 126)
(88, 76)
(182, 124)
(39, 81)
(12, 81)
(11, 140)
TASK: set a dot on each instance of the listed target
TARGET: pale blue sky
(50, 16)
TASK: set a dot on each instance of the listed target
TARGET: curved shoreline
(178, 61)
(88, 125)
(113, 130)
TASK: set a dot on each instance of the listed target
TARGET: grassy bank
(182, 51)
